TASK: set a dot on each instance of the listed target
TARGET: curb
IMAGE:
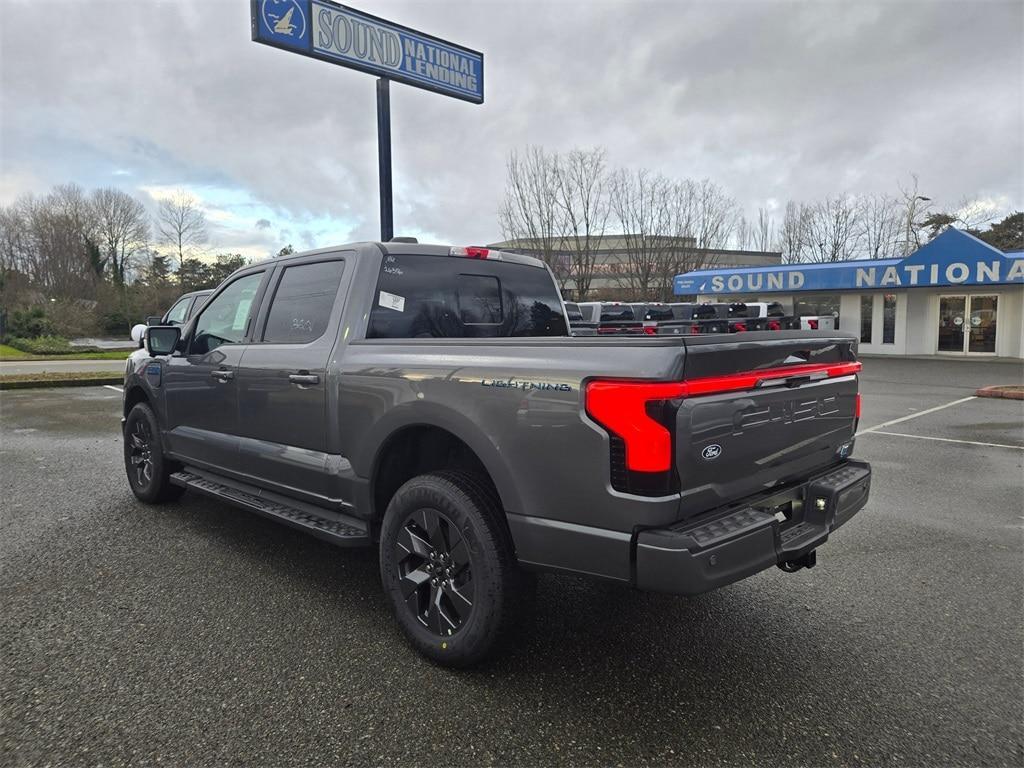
(1005, 392)
(54, 383)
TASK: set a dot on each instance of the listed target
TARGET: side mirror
(153, 320)
(138, 332)
(162, 339)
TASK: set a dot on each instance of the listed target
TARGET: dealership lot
(198, 634)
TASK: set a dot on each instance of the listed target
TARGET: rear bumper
(722, 547)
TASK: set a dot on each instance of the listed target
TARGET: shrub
(72, 318)
(29, 323)
(47, 345)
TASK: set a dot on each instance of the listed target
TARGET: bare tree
(764, 231)
(44, 239)
(881, 226)
(833, 230)
(916, 209)
(531, 216)
(181, 223)
(642, 215)
(122, 229)
(744, 234)
(792, 237)
(582, 182)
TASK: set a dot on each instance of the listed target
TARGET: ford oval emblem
(711, 452)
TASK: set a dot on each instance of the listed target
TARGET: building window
(889, 318)
(867, 308)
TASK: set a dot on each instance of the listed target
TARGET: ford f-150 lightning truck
(429, 401)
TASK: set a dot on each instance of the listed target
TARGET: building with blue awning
(957, 295)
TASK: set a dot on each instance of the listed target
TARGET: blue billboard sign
(332, 32)
(954, 258)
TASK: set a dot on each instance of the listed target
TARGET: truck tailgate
(762, 411)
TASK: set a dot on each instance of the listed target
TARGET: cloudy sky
(773, 100)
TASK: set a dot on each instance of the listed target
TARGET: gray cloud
(772, 100)
(263, 224)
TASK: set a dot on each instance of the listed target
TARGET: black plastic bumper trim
(728, 545)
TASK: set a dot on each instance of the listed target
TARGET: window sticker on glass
(241, 315)
(391, 301)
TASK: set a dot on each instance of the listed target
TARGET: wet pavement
(197, 634)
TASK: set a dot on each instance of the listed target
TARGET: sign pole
(387, 220)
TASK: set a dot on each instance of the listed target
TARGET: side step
(330, 526)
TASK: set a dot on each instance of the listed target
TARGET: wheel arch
(134, 395)
(409, 421)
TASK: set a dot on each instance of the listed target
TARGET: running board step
(334, 527)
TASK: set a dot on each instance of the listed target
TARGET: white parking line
(111, 386)
(900, 420)
(947, 440)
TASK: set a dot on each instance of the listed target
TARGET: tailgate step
(727, 526)
(331, 526)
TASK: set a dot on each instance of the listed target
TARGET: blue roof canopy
(953, 258)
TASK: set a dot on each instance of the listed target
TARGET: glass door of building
(981, 336)
(967, 324)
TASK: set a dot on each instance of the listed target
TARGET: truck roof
(403, 248)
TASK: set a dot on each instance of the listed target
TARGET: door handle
(223, 376)
(304, 378)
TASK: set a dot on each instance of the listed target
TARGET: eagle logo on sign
(284, 17)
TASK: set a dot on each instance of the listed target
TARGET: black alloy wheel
(140, 454)
(434, 572)
(448, 567)
(149, 472)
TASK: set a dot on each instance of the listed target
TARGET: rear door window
(302, 303)
(422, 297)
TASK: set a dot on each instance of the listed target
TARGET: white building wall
(917, 318)
(917, 321)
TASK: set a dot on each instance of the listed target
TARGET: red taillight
(750, 379)
(812, 324)
(740, 327)
(651, 330)
(856, 408)
(471, 252)
(694, 330)
(773, 325)
(621, 406)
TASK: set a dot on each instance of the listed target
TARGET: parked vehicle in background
(620, 319)
(183, 309)
(773, 312)
(429, 401)
(817, 323)
(577, 325)
(591, 310)
(180, 312)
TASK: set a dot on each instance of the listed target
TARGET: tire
(149, 473)
(448, 567)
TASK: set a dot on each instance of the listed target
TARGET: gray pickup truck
(429, 401)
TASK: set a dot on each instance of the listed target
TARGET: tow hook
(804, 561)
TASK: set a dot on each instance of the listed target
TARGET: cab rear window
(420, 296)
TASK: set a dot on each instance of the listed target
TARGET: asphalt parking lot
(196, 634)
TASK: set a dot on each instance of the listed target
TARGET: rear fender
(426, 414)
